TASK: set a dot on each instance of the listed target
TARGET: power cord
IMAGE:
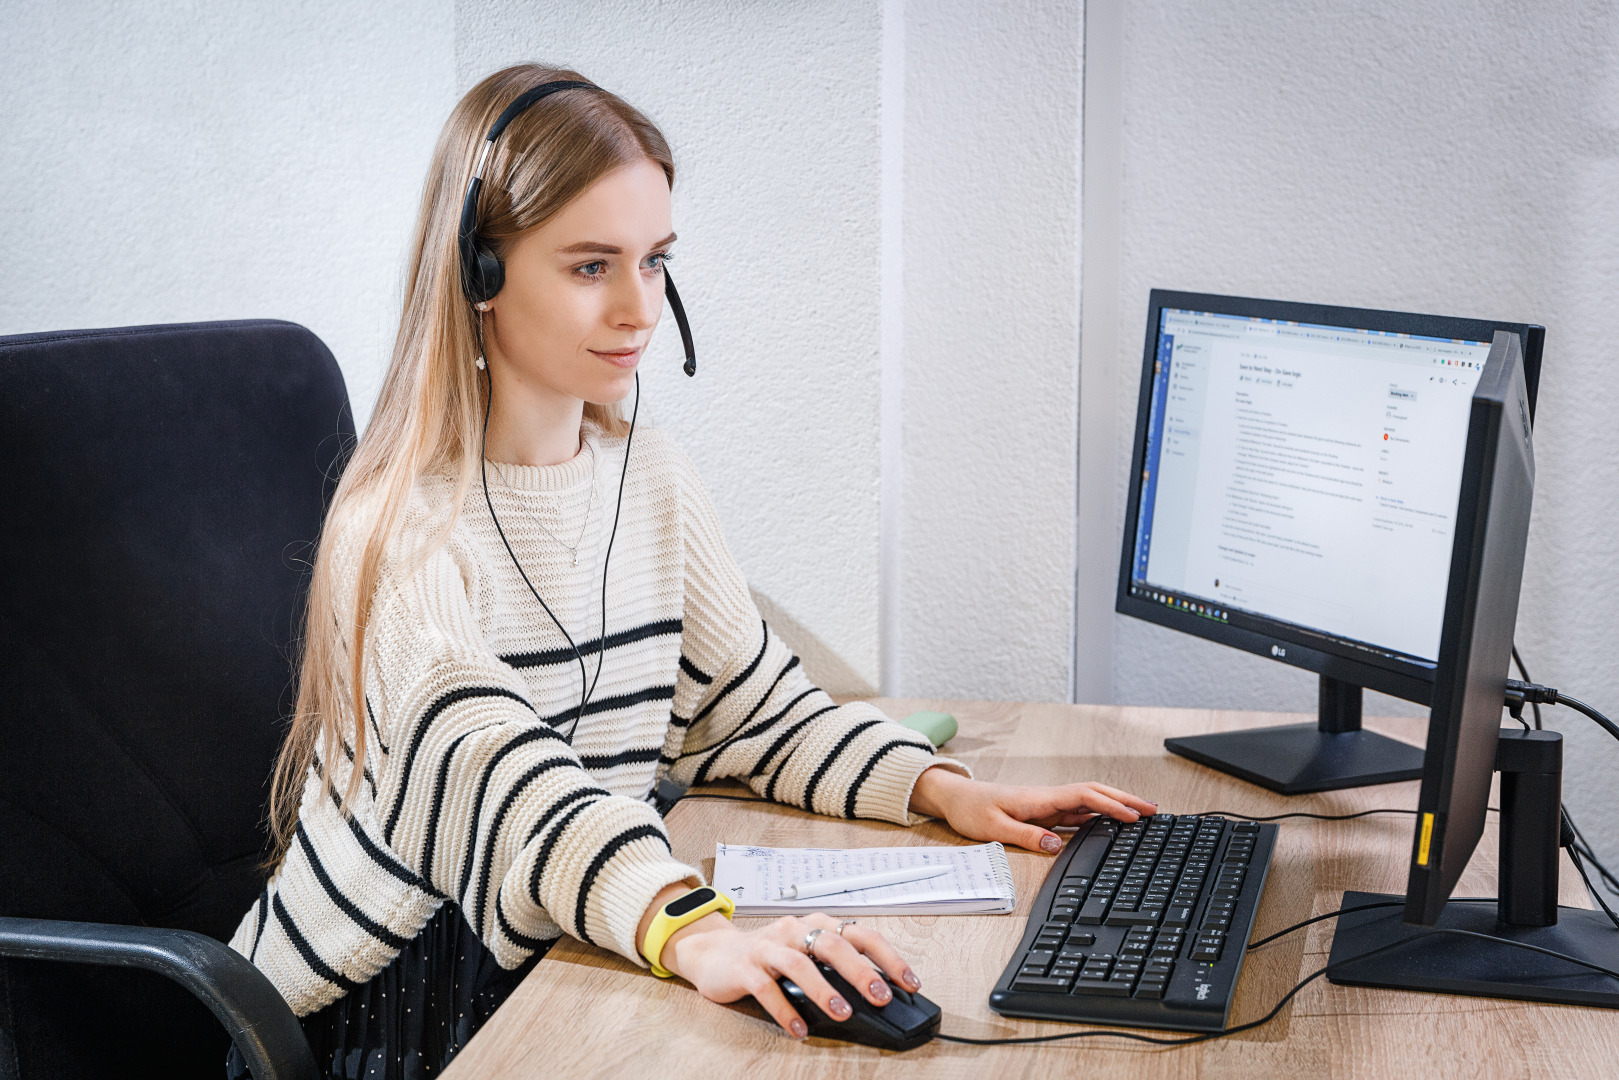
(1528, 692)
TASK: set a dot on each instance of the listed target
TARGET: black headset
(482, 276)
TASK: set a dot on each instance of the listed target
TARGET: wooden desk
(585, 1012)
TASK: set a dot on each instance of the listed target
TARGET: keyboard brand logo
(1203, 991)
(1277, 650)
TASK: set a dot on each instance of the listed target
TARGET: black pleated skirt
(412, 1018)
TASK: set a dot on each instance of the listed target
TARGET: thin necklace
(590, 507)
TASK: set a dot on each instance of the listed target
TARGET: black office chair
(160, 491)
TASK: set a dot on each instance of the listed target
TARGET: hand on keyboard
(1019, 816)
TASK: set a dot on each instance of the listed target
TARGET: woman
(523, 615)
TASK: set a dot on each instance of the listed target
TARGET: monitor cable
(1291, 994)
(1528, 692)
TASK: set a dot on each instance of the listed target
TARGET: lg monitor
(1294, 493)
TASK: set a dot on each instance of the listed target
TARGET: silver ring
(809, 941)
(845, 922)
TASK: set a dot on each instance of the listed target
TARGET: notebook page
(755, 877)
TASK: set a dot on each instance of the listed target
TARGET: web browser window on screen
(1308, 474)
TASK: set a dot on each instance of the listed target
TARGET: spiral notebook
(980, 882)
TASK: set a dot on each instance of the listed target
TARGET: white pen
(861, 881)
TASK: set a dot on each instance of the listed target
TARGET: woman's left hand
(1023, 816)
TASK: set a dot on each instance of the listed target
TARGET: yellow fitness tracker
(681, 911)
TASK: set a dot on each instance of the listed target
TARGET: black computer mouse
(906, 1022)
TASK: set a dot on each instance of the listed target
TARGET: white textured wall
(773, 114)
(1457, 159)
(991, 349)
(179, 162)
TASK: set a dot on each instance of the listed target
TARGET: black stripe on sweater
(439, 784)
(492, 834)
(623, 637)
(693, 672)
(743, 732)
(312, 959)
(742, 677)
(620, 701)
(611, 848)
(781, 740)
(365, 771)
(826, 763)
(523, 738)
(544, 854)
(865, 771)
(433, 712)
(383, 859)
(374, 729)
(264, 913)
(522, 940)
(344, 904)
(623, 757)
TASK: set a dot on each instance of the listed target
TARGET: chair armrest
(252, 1011)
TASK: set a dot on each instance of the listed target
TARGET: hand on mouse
(1022, 816)
(726, 964)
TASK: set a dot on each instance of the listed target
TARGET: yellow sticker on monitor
(1422, 843)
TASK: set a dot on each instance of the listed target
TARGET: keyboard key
(1206, 952)
(1151, 991)
(1245, 827)
(1031, 971)
(1079, 937)
(1034, 985)
(1135, 918)
(1216, 922)
(1040, 956)
(1094, 911)
(1177, 916)
(1102, 988)
(1074, 891)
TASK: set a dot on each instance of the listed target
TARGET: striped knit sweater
(478, 784)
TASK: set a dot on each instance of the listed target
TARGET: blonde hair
(428, 416)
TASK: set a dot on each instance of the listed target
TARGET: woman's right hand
(726, 964)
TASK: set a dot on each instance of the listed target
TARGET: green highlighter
(939, 727)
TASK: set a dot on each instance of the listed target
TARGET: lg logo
(1277, 650)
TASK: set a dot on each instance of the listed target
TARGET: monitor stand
(1525, 910)
(1332, 753)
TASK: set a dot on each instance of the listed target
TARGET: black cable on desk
(1289, 996)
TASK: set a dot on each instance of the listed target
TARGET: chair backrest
(161, 489)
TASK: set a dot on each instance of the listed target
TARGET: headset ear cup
(488, 273)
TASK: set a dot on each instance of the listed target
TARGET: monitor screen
(1306, 475)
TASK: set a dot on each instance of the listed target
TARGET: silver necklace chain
(590, 507)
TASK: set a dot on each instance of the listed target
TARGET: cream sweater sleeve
(484, 799)
(750, 712)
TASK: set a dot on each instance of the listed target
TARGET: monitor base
(1449, 964)
(1300, 758)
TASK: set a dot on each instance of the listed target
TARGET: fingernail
(911, 980)
(838, 1007)
(799, 1030)
(880, 991)
(1050, 844)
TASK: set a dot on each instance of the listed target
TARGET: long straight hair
(428, 415)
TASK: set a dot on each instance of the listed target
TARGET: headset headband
(482, 274)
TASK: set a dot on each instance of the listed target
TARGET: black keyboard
(1142, 924)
